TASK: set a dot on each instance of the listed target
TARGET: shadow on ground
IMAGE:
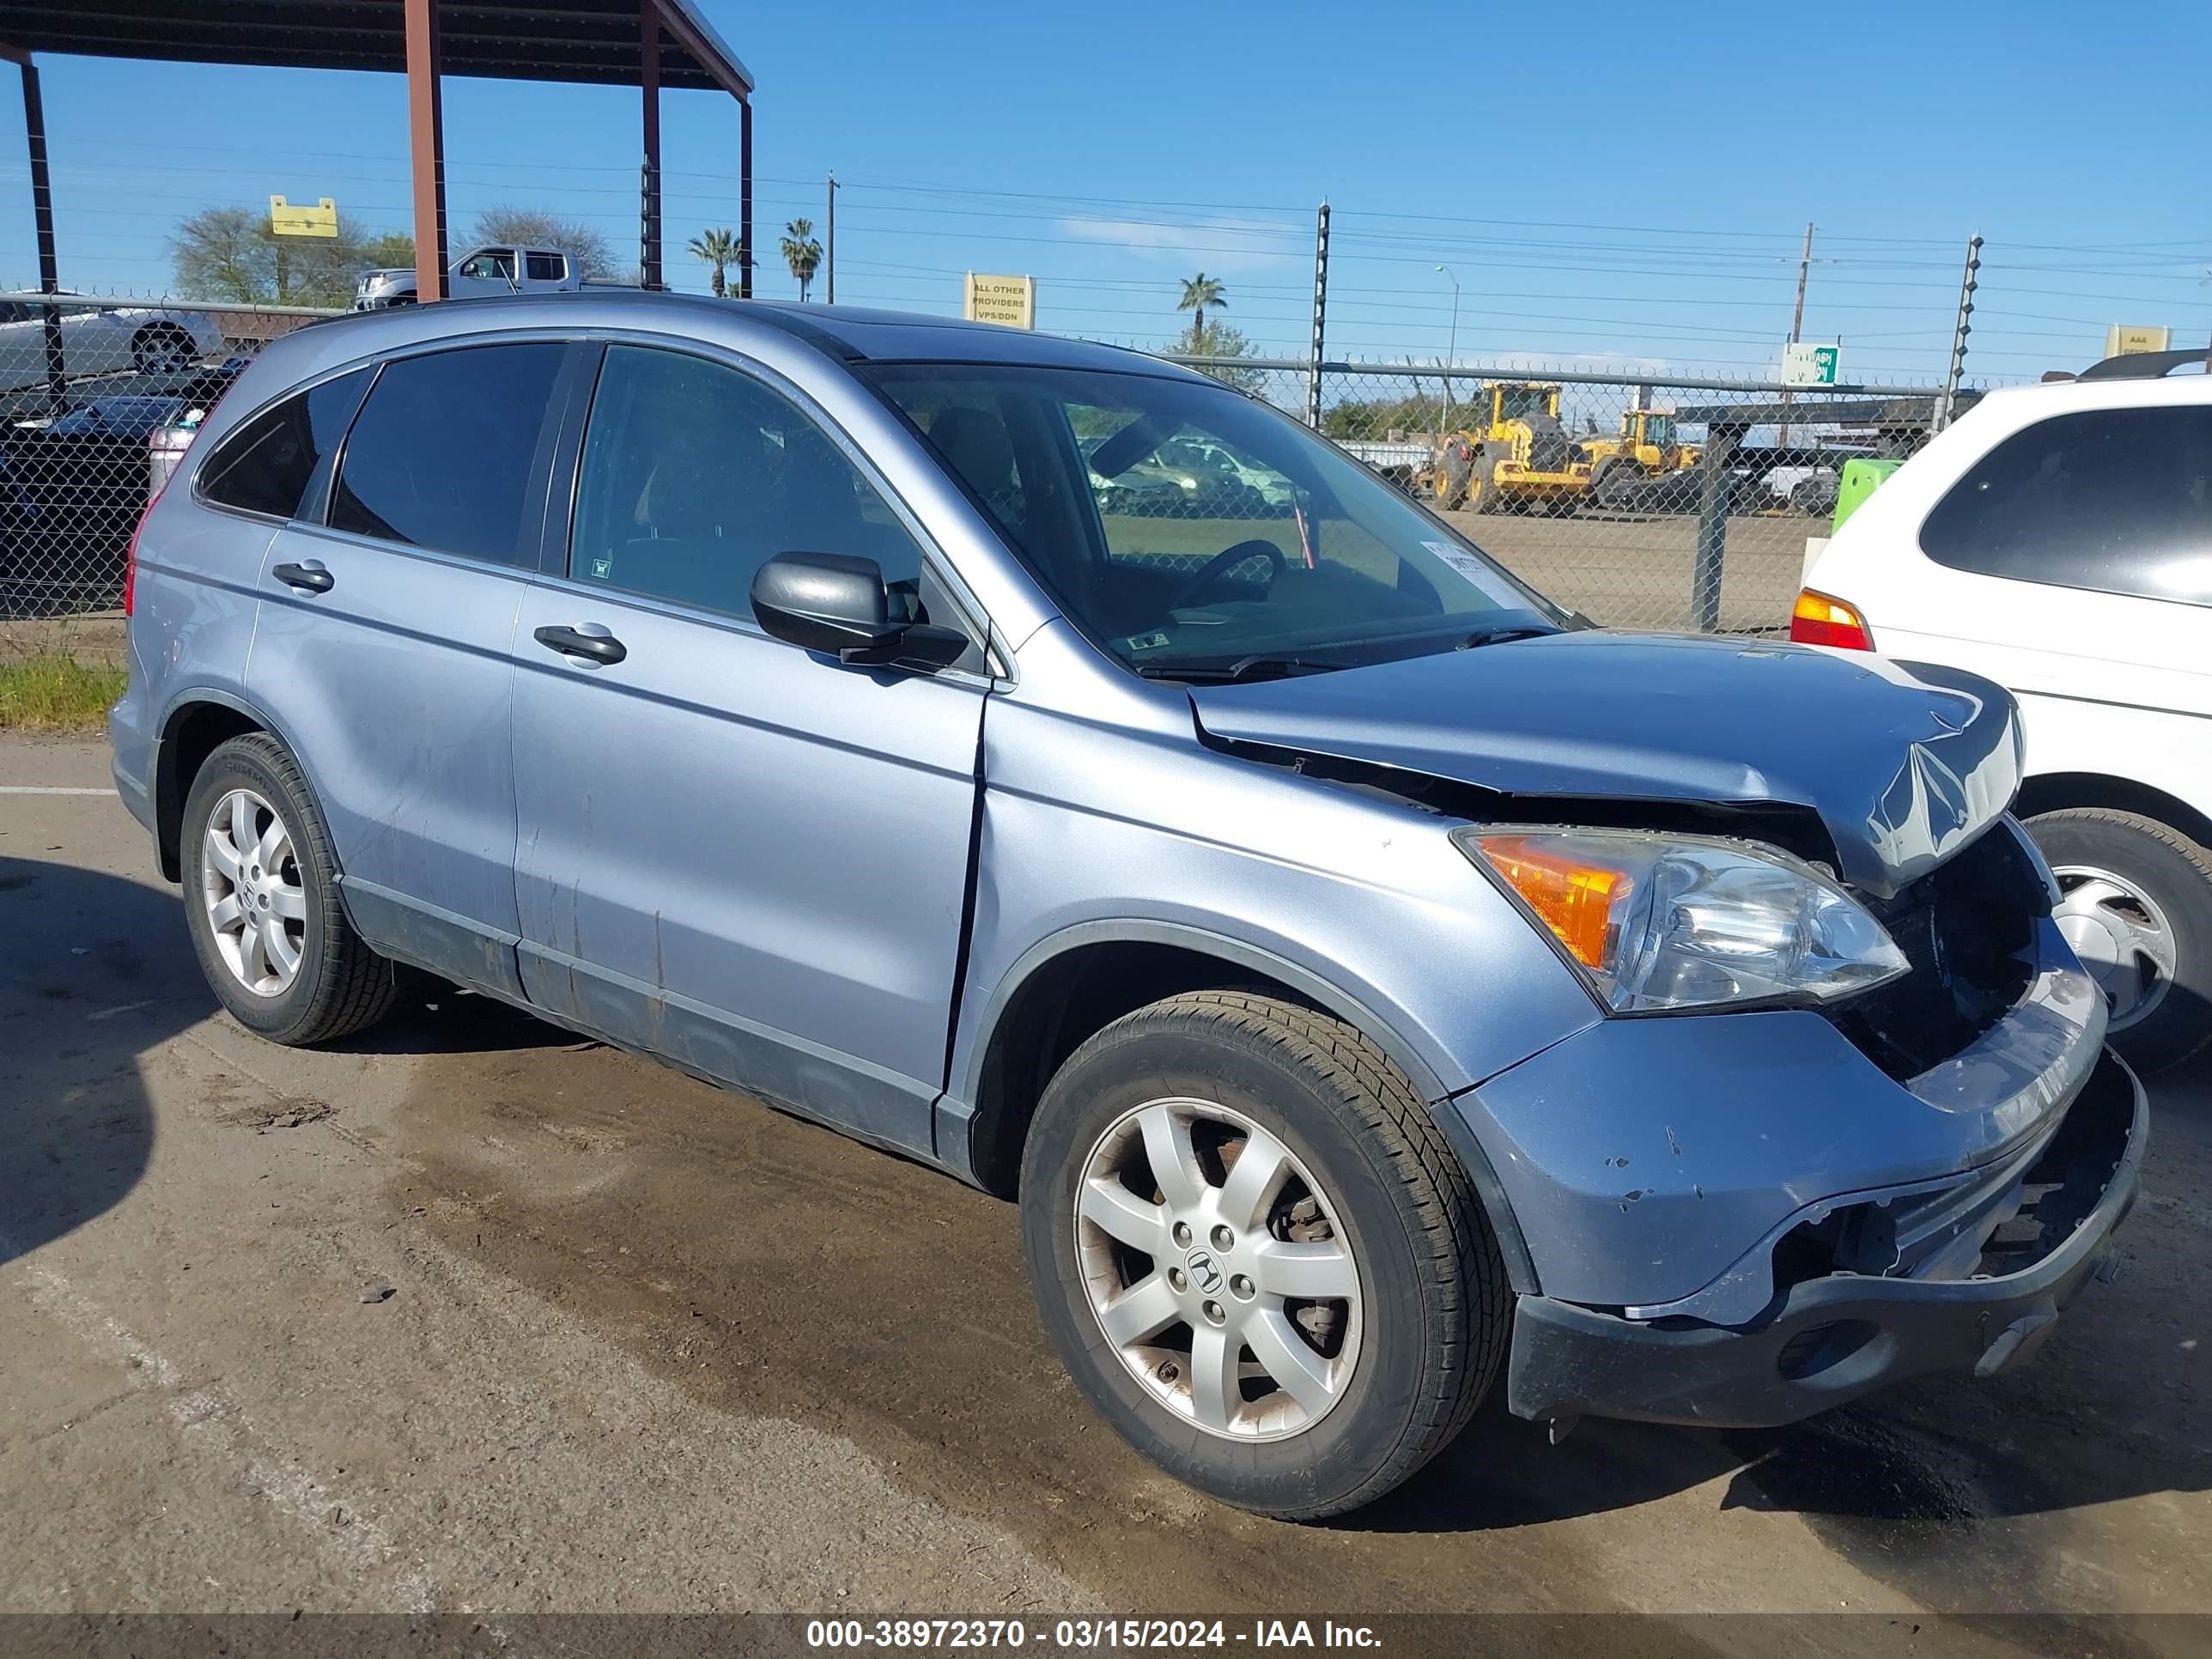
(98, 970)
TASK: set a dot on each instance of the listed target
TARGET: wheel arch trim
(2078, 788)
(955, 1110)
(168, 791)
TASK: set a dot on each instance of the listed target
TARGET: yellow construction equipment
(1645, 447)
(1517, 454)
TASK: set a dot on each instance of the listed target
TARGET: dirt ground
(1632, 572)
(99, 637)
(469, 1315)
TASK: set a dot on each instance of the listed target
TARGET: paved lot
(652, 1346)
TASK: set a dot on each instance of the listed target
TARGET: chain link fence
(89, 389)
(1650, 504)
(1669, 504)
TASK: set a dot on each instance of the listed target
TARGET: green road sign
(1809, 365)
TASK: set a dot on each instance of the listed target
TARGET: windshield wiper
(1498, 636)
(1256, 667)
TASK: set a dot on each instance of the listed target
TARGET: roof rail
(2145, 365)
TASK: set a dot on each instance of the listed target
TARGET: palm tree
(1198, 292)
(802, 253)
(718, 248)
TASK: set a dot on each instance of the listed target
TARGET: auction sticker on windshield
(1461, 561)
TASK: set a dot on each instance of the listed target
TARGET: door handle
(310, 575)
(604, 648)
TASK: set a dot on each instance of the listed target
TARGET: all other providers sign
(1008, 300)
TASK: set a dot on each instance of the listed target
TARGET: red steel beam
(426, 137)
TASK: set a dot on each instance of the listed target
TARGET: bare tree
(538, 228)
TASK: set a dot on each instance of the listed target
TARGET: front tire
(1257, 1257)
(2136, 906)
(261, 901)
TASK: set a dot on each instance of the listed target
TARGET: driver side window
(693, 476)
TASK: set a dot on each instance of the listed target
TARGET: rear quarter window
(275, 462)
(2116, 500)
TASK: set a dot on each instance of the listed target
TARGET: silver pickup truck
(481, 272)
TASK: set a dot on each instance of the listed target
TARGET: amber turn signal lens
(1818, 620)
(1575, 901)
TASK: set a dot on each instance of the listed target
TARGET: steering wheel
(1228, 559)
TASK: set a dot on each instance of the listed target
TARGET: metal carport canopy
(648, 44)
(585, 40)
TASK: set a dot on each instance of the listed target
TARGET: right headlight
(1660, 921)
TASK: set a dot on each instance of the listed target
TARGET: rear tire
(271, 933)
(1365, 1198)
(2136, 906)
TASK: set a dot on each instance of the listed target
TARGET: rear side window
(2119, 501)
(546, 267)
(275, 462)
(444, 454)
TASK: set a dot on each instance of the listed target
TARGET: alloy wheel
(251, 885)
(2121, 935)
(1214, 1263)
(164, 353)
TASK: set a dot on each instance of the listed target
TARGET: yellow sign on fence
(320, 220)
(2123, 340)
(1008, 300)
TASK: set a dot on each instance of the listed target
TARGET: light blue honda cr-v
(1367, 975)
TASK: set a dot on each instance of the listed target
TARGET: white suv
(2058, 540)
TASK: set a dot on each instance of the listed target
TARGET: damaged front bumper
(1831, 1339)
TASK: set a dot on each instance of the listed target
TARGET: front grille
(1968, 929)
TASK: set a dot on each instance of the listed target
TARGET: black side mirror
(836, 602)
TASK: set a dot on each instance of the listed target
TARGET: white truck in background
(483, 272)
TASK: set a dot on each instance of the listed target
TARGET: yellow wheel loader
(1645, 447)
(1516, 454)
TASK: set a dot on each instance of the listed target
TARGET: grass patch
(52, 692)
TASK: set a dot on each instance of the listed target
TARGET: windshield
(1192, 532)
(1516, 402)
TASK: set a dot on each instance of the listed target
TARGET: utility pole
(832, 256)
(1451, 354)
(1320, 314)
(1797, 317)
(1949, 400)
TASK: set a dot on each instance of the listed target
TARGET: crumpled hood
(1905, 763)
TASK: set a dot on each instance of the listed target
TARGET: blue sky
(1627, 188)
